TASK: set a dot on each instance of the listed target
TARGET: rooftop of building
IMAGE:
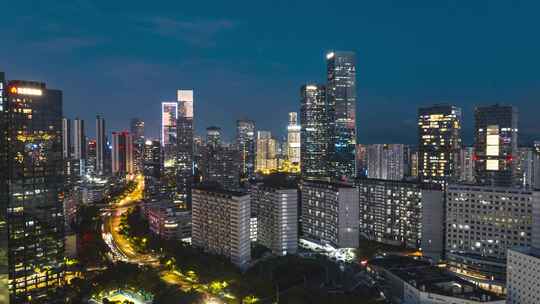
(279, 181)
(531, 251)
(487, 188)
(426, 277)
(334, 183)
(216, 188)
(437, 280)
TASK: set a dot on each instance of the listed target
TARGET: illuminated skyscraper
(293, 139)
(137, 132)
(213, 136)
(439, 143)
(79, 145)
(67, 146)
(31, 191)
(122, 153)
(101, 143)
(4, 197)
(169, 117)
(341, 102)
(466, 165)
(184, 148)
(495, 146)
(315, 136)
(245, 139)
(266, 154)
(152, 159)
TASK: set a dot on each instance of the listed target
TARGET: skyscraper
(122, 153)
(266, 152)
(101, 143)
(137, 133)
(184, 148)
(385, 161)
(169, 117)
(152, 159)
(245, 139)
(67, 145)
(341, 99)
(293, 139)
(314, 136)
(213, 136)
(495, 145)
(31, 190)
(79, 145)
(439, 143)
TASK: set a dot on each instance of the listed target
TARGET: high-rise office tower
(402, 213)
(466, 165)
(330, 213)
(245, 140)
(101, 145)
(152, 159)
(184, 148)
(341, 101)
(222, 166)
(4, 290)
(169, 117)
(385, 161)
(414, 164)
(439, 143)
(266, 152)
(220, 223)
(293, 139)
(67, 146)
(213, 137)
(31, 191)
(79, 145)
(137, 133)
(315, 135)
(122, 153)
(495, 145)
(91, 149)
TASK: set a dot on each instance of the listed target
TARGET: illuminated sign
(330, 55)
(26, 91)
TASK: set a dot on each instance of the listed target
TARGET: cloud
(198, 33)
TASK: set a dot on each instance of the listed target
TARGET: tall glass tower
(31, 190)
(184, 148)
(245, 140)
(341, 102)
(496, 145)
(439, 143)
(314, 134)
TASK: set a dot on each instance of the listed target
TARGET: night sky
(248, 59)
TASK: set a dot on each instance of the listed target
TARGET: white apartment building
(221, 223)
(330, 213)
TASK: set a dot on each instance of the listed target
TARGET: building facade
(466, 165)
(386, 161)
(314, 135)
(495, 145)
(245, 140)
(439, 143)
(221, 223)
(402, 213)
(330, 213)
(31, 191)
(184, 148)
(276, 207)
(101, 145)
(122, 153)
(341, 101)
(169, 118)
(266, 159)
(482, 223)
(293, 139)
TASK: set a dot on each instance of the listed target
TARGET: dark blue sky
(248, 59)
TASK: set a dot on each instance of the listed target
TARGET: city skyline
(388, 84)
